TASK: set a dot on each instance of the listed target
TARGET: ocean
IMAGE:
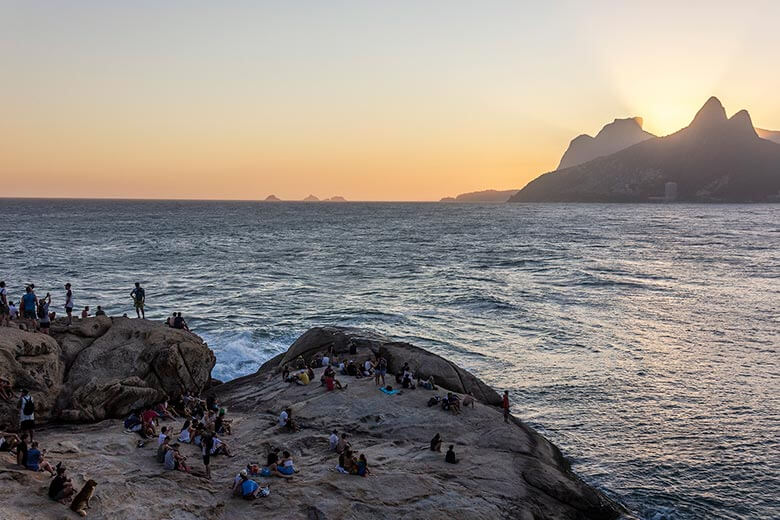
(641, 339)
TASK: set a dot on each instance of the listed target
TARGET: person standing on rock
(69, 303)
(139, 298)
(380, 370)
(29, 305)
(26, 414)
(5, 312)
(505, 406)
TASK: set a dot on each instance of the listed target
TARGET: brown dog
(80, 503)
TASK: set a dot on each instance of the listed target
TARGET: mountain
(769, 135)
(482, 196)
(335, 199)
(272, 198)
(617, 135)
(714, 159)
(311, 198)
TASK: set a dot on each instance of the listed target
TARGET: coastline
(531, 479)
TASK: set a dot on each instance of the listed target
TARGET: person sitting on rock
(185, 434)
(286, 421)
(238, 480)
(85, 313)
(285, 372)
(221, 424)
(300, 363)
(450, 456)
(61, 487)
(368, 368)
(285, 465)
(333, 440)
(436, 443)
(249, 488)
(428, 384)
(36, 461)
(175, 460)
(343, 444)
(271, 462)
(8, 442)
(164, 411)
(219, 447)
(454, 403)
(352, 369)
(362, 466)
(468, 400)
(148, 419)
(331, 382)
(21, 450)
(347, 462)
(100, 311)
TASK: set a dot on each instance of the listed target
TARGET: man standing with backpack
(26, 414)
(139, 297)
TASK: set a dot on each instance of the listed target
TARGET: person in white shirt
(367, 367)
(333, 440)
(325, 360)
(162, 436)
(283, 417)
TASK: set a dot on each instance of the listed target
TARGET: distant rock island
(714, 159)
(311, 198)
(482, 196)
(272, 198)
(335, 199)
(615, 136)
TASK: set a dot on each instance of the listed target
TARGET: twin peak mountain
(714, 159)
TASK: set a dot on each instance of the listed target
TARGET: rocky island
(87, 377)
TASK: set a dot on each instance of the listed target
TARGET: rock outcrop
(101, 367)
(506, 471)
(496, 196)
(616, 136)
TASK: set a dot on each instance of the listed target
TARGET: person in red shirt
(506, 406)
(148, 418)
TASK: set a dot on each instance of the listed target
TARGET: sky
(370, 100)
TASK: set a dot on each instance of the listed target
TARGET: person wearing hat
(61, 488)
(69, 303)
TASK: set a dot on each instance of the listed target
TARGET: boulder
(102, 367)
(30, 361)
(368, 344)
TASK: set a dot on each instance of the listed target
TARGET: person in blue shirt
(36, 462)
(29, 305)
(249, 488)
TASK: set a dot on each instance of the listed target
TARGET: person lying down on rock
(389, 390)
(250, 489)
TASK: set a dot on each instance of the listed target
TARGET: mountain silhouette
(482, 196)
(272, 198)
(769, 135)
(311, 198)
(714, 159)
(615, 136)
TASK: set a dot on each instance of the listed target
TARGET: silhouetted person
(139, 298)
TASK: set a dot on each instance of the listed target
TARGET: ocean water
(642, 339)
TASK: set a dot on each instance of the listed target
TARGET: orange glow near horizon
(375, 102)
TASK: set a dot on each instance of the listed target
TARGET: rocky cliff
(100, 368)
(505, 470)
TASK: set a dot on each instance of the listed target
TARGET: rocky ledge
(505, 470)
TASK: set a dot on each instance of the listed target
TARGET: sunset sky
(369, 100)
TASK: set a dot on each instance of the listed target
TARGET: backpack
(29, 406)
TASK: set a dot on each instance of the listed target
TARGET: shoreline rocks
(505, 471)
(101, 368)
